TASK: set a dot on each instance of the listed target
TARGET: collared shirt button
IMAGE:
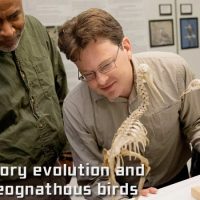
(23, 75)
(32, 99)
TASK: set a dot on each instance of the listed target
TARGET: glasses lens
(104, 69)
(80, 76)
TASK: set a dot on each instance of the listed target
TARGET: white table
(177, 191)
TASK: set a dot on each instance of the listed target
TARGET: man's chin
(9, 49)
(111, 97)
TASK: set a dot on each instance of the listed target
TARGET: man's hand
(145, 192)
(66, 158)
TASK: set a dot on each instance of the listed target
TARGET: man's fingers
(145, 192)
(153, 190)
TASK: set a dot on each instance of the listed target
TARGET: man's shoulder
(34, 25)
(82, 94)
(34, 34)
(78, 94)
(160, 61)
(158, 55)
(166, 67)
(32, 20)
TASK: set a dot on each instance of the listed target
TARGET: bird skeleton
(131, 137)
(193, 85)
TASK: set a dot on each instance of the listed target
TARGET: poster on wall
(161, 33)
(189, 33)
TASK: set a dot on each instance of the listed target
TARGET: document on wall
(80, 5)
(131, 16)
(49, 12)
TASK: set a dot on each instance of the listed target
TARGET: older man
(33, 86)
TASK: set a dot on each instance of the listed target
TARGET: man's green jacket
(32, 88)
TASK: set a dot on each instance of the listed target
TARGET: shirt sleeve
(59, 71)
(60, 77)
(56, 61)
(190, 109)
(85, 150)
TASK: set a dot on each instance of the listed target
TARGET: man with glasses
(107, 95)
(33, 86)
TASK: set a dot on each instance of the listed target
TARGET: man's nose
(101, 78)
(7, 30)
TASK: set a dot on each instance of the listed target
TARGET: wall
(134, 16)
(192, 55)
(153, 13)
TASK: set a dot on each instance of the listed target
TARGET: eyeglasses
(102, 69)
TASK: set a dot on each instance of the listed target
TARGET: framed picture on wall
(189, 33)
(161, 32)
(165, 9)
(186, 9)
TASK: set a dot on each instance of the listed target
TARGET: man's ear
(126, 44)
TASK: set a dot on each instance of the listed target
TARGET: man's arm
(190, 110)
(61, 88)
(190, 118)
(84, 149)
(60, 76)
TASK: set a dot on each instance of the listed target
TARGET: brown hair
(76, 33)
